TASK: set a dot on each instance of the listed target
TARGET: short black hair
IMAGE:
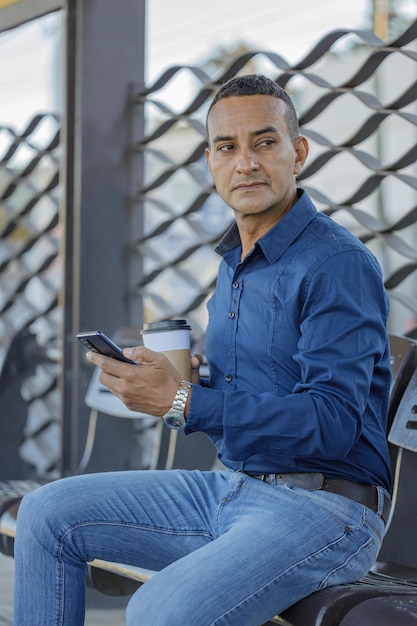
(257, 84)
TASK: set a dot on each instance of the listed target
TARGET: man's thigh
(272, 547)
(146, 518)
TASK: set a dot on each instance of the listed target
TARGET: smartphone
(99, 342)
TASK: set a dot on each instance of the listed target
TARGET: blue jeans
(232, 550)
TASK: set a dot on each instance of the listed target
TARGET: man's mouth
(248, 186)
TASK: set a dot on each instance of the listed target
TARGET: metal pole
(105, 57)
(69, 399)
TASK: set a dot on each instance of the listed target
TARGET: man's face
(251, 157)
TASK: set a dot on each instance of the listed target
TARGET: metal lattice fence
(30, 280)
(357, 101)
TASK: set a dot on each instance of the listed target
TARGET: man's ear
(301, 151)
(207, 153)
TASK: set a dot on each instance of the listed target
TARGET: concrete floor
(101, 610)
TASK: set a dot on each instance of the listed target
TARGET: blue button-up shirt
(298, 354)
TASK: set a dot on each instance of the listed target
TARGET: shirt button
(235, 285)
(231, 315)
(229, 378)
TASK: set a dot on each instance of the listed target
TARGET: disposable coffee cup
(172, 338)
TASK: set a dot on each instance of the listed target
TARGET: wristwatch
(175, 416)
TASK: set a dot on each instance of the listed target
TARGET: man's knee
(40, 508)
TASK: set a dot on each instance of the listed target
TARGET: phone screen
(97, 341)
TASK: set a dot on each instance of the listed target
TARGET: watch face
(174, 419)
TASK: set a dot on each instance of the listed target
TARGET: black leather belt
(364, 494)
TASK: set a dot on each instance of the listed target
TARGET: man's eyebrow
(255, 133)
(218, 138)
(263, 131)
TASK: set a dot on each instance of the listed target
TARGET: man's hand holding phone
(149, 388)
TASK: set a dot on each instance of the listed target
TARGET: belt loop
(384, 503)
(381, 499)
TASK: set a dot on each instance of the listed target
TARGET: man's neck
(253, 227)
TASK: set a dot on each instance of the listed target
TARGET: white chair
(100, 400)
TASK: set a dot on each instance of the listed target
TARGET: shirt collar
(274, 243)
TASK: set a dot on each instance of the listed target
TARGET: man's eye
(228, 147)
(265, 142)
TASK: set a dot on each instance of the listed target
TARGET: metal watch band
(181, 396)
(175, 416)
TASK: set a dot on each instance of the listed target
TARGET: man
(296, 405)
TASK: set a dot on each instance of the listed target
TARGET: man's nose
(247, 161)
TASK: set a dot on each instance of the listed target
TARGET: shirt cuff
(206, 405)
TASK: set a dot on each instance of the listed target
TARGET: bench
(385, 596)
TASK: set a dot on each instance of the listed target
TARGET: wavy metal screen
(30, 280)
(357, 101)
